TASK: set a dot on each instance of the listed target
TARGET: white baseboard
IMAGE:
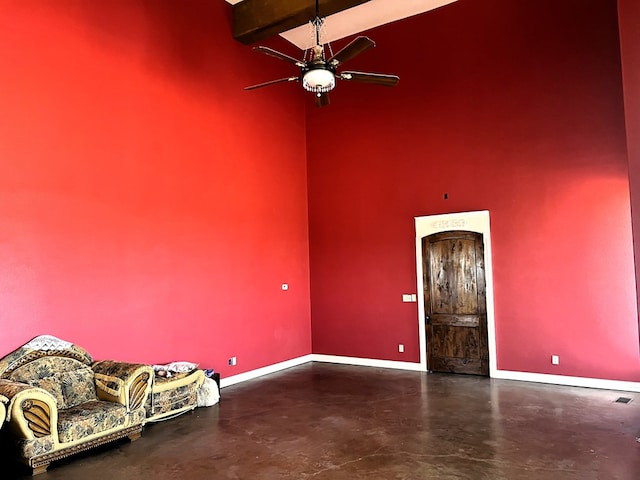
(259, 372)
(366, 362)
(599, 383)
(568, 381)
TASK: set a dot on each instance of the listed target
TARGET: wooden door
(455, 303)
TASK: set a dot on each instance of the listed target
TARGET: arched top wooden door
(455, 302)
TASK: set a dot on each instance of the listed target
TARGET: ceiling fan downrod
(318, 76)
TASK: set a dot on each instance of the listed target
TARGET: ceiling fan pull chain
(312, 33)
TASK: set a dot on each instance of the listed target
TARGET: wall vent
(623, 400)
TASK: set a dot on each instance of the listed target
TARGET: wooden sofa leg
(40, 469)
(133, 436)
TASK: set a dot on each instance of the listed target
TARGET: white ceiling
(358, 19)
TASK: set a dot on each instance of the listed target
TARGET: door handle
(427, 319)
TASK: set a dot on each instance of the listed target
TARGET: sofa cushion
(78, 386)
(51, 385)
(44, 367)
(89, 418)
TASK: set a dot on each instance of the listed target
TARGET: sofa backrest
(39, 347)
(69, 381)
(44, 367)
(59, 367)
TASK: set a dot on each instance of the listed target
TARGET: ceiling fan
(318, 74)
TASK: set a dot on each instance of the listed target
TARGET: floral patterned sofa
(60, 402)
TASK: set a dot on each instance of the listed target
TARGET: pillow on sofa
(172, 368)
(51, 385)
(181, 367)
(77, 386)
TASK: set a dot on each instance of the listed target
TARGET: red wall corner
(629, 18)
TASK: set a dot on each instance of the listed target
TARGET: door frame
(478, 222)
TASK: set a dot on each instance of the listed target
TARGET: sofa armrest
(31, 412)
(126, 383)
(3, 409)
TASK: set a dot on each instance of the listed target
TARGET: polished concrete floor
(322, 421)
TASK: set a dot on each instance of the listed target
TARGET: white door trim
(470, 222)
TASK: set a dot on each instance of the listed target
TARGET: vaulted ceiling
(256, 20)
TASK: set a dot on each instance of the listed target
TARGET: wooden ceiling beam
(255, 20)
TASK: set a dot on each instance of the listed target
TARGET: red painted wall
(511, 106)
(150, 208)
(629, 17)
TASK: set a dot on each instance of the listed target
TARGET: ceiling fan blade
(322, 100)
(273, 82)
(354, 49)
(274, 53)
(374, 78)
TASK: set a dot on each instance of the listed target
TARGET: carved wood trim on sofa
(38, 416)
(40, 463)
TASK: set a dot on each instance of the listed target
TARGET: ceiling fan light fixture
(319, 80)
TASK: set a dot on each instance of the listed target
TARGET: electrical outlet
(285, 286)
(401, 348)
(232, 361)
(555, 359)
